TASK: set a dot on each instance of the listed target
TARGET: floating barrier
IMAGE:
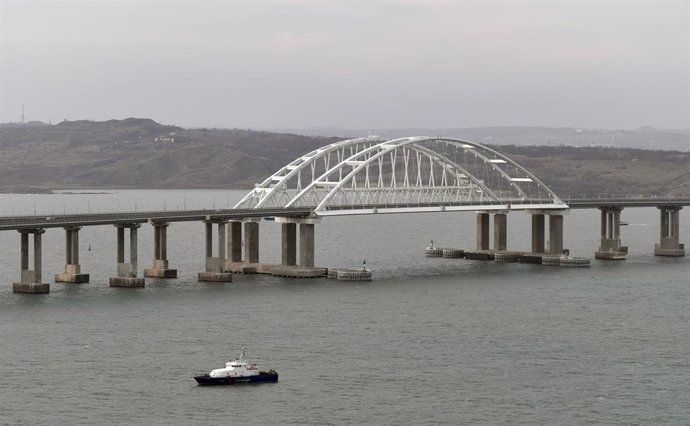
(453, 253)
(433, 252)
(551, 260)
(352, 275)
(506, 256)
(479, 255)
(574, 262)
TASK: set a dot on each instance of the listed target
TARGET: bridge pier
(30, 281)
(72, 272)
(610, 248)
(669, 225)
(306, 245)
(235, 241)
(555, 233)
(251, 242)
(127, 272)
(538, 234)
(500, 232)
(289, 244)
(482, 231)
(160, 267)
(215, 266)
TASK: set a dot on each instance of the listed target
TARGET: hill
(140, 153)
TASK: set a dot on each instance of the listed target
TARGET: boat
(237, 371)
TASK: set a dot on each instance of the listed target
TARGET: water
(428, 341)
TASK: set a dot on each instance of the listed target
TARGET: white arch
(337, 191)
(267, 190)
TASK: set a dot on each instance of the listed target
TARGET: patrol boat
(237, 371)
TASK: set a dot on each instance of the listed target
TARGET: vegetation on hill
(140, 153)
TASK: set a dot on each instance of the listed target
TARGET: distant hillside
(140, 153)
(643, 138)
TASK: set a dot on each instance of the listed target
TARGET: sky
(359, 64)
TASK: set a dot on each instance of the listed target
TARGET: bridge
(356, 176)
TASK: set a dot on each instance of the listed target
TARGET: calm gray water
(429, 341)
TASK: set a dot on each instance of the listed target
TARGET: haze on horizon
(616, 64)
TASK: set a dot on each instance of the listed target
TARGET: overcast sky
(357, 64)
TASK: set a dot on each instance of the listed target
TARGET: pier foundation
(160, 267)
(610, 248)
(669, 225)
(72, 272)
(127, 272)
(30, 281)
(215, 265)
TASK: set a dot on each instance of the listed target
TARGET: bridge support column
(500, 232)
(306, 245)
(482, 231)
(669, 244)
(127, 272)
(251, 242)
(72, 272)
(235, 241)
(289, 246)
(538, 232)
(555, 233)
(610, 248)
(160, 267)
(215, 266)
(30, 281)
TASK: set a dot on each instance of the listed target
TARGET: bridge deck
(57, 221)
(592, 203)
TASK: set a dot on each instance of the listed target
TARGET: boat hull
(206, 380)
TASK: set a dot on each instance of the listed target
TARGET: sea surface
(428, 341)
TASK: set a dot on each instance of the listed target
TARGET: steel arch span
(412, 174)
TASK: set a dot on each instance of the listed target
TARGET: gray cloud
(363, 64)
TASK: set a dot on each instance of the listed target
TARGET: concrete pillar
(160, 267)
(156, 242)
(289, 246)
(538, 233)
(209, 239)
(127, 272)
(221, 241)
(120, 244)
(133, 249)
(235, 241)
(555, 234)
(68, 246)
(500, 232)
(72, 272)
(215, 265)
(38, 251)
(669, 234)
(306, 244)
(75, 245)
(251, 242)
(24, 250)
(163, 238)
(482, 231)
(30, 281)
(610, 247)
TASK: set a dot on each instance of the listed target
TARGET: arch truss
(413, 174)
